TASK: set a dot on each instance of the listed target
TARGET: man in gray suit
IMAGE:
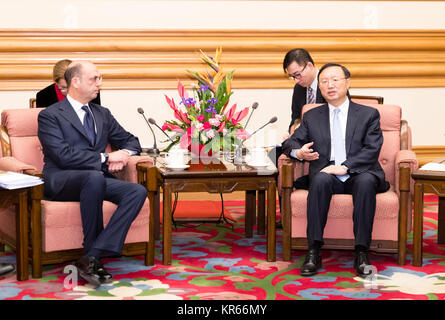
(342, 141)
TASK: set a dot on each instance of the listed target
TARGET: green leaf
(348, 284)
(204, 282)
(152, 292)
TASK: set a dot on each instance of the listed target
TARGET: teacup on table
(176, 158)
(258, 156)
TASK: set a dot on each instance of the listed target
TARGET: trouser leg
(321, 189)
(363, 188)
(130, 198)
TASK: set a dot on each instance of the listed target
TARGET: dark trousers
(363, 188)
(91, 188)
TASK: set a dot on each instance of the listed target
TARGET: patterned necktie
(339, 146)
(310, 95)
(88, 124)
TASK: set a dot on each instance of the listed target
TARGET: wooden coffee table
(212, 176)
(430, 182)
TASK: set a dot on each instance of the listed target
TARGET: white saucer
(177, 167)
(257, 164)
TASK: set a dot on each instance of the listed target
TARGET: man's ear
(348, 83)
(75, 81)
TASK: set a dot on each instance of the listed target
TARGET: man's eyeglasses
(297, 75)
(334, 81)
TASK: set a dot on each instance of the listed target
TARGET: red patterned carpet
(214, 262)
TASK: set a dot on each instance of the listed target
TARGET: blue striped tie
(88, 124)
(339, 146)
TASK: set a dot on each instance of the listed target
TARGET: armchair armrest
(129, 173)
(298, 170)
(15, 165)
(405, 159)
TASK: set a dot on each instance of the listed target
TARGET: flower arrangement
(202, 120)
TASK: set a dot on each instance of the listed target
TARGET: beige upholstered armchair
(56, 231)
(393, 213)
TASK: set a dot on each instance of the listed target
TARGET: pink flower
(242, 134)
(207, 125)
(201, 118)
(221, 127)
(210, 134)
(172, 127)
(234, 121)
(214, 122)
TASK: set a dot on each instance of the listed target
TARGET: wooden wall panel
(156, 59)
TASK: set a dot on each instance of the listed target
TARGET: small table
(213, 176)
(431, 182)
(19, 198)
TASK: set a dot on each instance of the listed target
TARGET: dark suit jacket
(299, 100)
(66, 146)
(48, 96)
(364, 140)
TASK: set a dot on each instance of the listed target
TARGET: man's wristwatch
(106, 155)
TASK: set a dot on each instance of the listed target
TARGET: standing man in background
(300, 67)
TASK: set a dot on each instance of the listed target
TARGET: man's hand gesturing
(307, 153)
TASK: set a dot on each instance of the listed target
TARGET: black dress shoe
(311, 264)
(92, 270)
(6, 268)
(105, 277)
(362, 264)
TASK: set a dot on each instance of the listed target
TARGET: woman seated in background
(57, 91)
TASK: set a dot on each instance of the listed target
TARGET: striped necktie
(88, 124)
(310, 95)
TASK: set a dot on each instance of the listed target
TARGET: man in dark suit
(300, 67)
(342, 141)
(74, 134)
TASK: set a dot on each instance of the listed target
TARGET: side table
(431, 182)
(19, 199)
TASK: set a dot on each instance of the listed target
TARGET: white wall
(221, 14)
(423, 107)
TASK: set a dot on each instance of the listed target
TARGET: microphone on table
(254, 106)
(239, 151)
(155, 149)
(272, 120)
(153, 122)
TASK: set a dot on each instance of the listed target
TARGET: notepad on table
(13, 180)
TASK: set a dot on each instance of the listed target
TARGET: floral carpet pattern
(216, 262)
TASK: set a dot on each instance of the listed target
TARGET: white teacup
(176, 157)
(258, 155)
